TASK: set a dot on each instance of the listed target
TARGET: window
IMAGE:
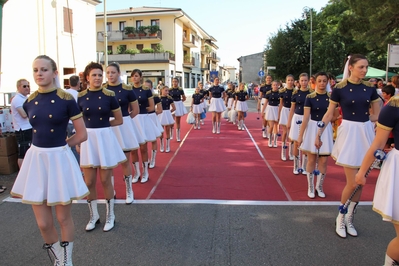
(122, 25)
(109, 26)
(139, 23)
(154, 22)
(154, 46)
(121, 49)
(186, 80)
(140, 47)
(109, 49)
(68, 21)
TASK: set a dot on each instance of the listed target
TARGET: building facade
(60, 29)
(249, 67)
(162, 42)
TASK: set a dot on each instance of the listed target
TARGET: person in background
(166, 117)
(22, 127)
(380, 84)
(240, 105)
(264, 88)
(74, 82)
(312, 82)
(197, 107)
(50, 176)
(395, 83)
(177, 93)
(216, 95)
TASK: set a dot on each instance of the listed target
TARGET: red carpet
(227, 166)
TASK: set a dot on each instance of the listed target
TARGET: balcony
(212, 56)
(142, 58)
(189, 43)
(206, 49)
(206, 67)
(189, 62)
(116, 35)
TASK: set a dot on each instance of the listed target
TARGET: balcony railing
(117, 35)
(189, 43)
(189, 62)
(139, 58)
(212, 56)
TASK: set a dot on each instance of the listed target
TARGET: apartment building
(61, 29)
(162, 42)
(250, 65)
(227, 74)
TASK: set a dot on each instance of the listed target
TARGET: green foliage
(121, 49)
(171, 54)
(132, 51)
(142, 29)
(147, 50)
(130, 30)
(153, 29)
(159, 48)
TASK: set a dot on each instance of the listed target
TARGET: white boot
(110, 216)
(275, 136)
(152, 161)
(264, 134)
(304, 163)
(167, 145)
(239, 125)
(283, 152)
(54, 251)
(218, 128)
(178, 134)
(295, 171)
(199, 124)
(270, 143)
(145, 176)
(310, 185)
(214, 127)
(162, 147)
(319, 185)
(290, 148)
(389, 261)
(94, 216)
(350, 228)
(171, 133)
(67, 248)
(136, 166)
(129, 190)
(242, 125)
(340, 225)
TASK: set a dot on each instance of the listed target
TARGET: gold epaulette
(368, 84)
(145, 88)
(155, 94)
(295, 91)
(180, 88)
(33, 96)
(169, 97)
(329, 94)
(311, 95)
(341, 84)
(268, 92)
(394, 101)
(108, 92)
(126, 87)
(282, 90)
(82, 93)
(64, 95)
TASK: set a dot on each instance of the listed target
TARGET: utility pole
(2, 2)
(105, 35)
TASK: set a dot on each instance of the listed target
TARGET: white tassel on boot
(162, 147)
(167, 145)
(340, 225)
(110, 216)
(283, 152)
(350, 228)
(54, 251)
(152, 161)
(310, 185)
(319, 185)
(136, 166)
(389, 261)
(290, 148)
(94, 216)
(178, 134)
(129, 190)
(275, 136)
(218, 128)
(67, 253)
(145, 176)
(304, 163)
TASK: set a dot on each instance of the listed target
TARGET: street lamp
(309, 10)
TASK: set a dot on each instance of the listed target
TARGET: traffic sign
(261, 73)
(271, 67)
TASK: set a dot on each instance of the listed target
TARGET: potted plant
(208, 49)
(130, 31)
(187, 59)
(153, 30)
(147, 51)
(142, 31)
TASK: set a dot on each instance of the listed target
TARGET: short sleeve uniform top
(286, 95)
(354, 99)
(166, 101)
(318, 104)
(204, 92)
(96, 106)
(273, 98)
(216, 91)
(176, 93)
(265, 88)
(241, 95)
(299, 97)
(197, 97)
(143, 94)
(389, 118)
(49, 113)
(157, 100)
(230, 94)
(124, 95)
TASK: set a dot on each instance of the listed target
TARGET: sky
(240, 27)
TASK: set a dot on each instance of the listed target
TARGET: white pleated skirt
(147, 127)
(155, 119)
(205, 103)
(101, 149)
(232, 114)
(352, 142)
(49, 176)
(263, 102)
(166, 118)
(285, 112)
(198, 108)
(242, 106)
(310, 135)
(295, 127)
(180, 109)
(230, 103)
(125, 135)
(271, 113)
(217, 105)
(137, 132)
(386, 196)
